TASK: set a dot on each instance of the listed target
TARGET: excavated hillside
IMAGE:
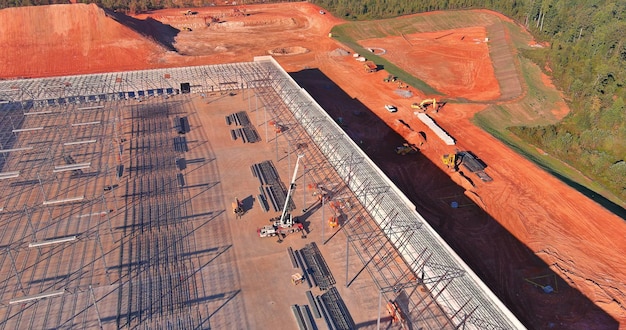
(70, 39)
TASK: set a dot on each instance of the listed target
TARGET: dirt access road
(529, 224)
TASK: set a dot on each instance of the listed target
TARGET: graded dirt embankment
(455, 62)
(61, 40)
(68, 39)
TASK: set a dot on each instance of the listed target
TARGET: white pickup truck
(391, 108)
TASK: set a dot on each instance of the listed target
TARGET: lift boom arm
(291, 186)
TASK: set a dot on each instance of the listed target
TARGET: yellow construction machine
(370, 67)
(333, 222)
(425, 103)
(451, 161)
(469, 161)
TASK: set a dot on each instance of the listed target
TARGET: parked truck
(370, 66)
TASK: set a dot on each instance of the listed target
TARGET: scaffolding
(62, 140)
(459, 293)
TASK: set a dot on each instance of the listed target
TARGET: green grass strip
(345, 39)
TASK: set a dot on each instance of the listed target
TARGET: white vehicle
(285, 224)
(391, 108)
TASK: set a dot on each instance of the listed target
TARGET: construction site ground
(524, 224)
(154, 252)
(263, 265)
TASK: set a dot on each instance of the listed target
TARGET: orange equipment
(238, 208)
(395, 311)
(297, 279)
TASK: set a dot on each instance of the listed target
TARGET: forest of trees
(586, 58)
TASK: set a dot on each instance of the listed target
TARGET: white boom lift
(285, 224)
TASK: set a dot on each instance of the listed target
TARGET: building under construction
(116, 211)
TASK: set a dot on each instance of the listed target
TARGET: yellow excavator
(451, 161)
(425, 103)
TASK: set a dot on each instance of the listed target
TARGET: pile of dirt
(69, 39)
(339, 52)
(283, 51)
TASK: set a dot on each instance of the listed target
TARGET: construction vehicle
(469, 162)
(425, 103)
(547, 288)
(391, 108)
(238, 208)
(188, 12)
(406, 148)
(297, 279)
(474, 165)
(333, 222)
(370, 66)
(278, 128)
(390, 78)
(450, 160)
(284, 224)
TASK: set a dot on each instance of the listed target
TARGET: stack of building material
(272, 191)
(246, 132)
(435, 128)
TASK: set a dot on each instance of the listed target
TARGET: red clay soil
(528, 224)
(68, 39)
(74, 39)
(455, 62)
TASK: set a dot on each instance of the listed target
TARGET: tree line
(586, 57)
